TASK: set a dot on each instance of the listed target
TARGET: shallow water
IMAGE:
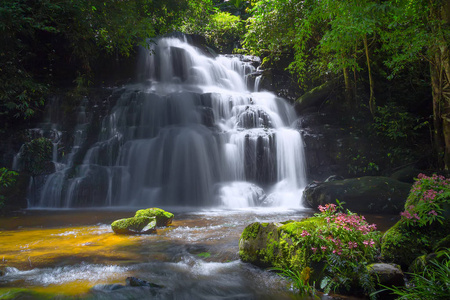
(76, 253)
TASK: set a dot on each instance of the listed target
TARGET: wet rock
(368, 194)
(133, 281)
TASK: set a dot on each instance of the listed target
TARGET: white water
(191, 134)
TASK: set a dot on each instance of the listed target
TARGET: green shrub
(397, 124)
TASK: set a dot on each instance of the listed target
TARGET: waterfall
(189, 133)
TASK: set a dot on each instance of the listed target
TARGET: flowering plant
(345, 234)
(344, 241)
(427, 200)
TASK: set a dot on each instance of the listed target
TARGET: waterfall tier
(190, 134)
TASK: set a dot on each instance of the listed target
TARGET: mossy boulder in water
(163, 218)
(135, 225)
(144, 221)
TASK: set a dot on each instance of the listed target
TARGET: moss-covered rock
(276, 244)
(425, 224)
(144, 221)
(135, 225)
(419, 265)
(163, 218)
(402, 244)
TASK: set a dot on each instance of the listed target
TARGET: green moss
(163, 218)
(296, 228)
(251, 231)
(402, 244)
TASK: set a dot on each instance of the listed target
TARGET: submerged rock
(369, 194)
(144, 221)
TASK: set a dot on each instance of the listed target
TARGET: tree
(38, 35)
(420, 30)
(329, 34)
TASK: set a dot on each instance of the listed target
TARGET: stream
(75, 253)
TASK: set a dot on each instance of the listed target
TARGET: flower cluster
(328, 209)
(426, 200)
(347, 235)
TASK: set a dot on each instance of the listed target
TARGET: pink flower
(305, 233)
(352, 245)
(432, 213)
(314, 249)
(323, 248)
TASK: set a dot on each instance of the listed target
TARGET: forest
(378, 69)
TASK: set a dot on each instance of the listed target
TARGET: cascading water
(190, 134)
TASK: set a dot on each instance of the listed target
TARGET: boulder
(316, 96)
(387, 274)
(135, 225)
(163, 218)
(369, 194)
(406, 174)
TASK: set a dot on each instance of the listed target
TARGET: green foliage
(428, 201)
(433, 283)
(35, 155)
(7, 179)
(397, 124)
(300, 280)
(414, 30)
(224, 30)
(345, 274)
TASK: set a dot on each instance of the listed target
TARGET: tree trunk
(445, 113)
(371, 97)
(440, 84)
(348, 87)
(436, 86)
